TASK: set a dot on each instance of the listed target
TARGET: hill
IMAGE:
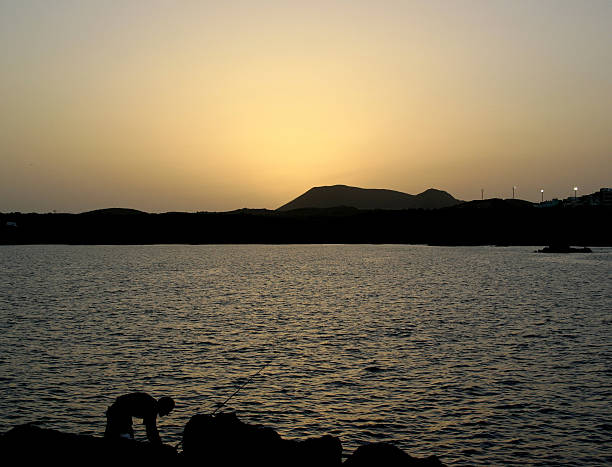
(364, 198)
(113, 212)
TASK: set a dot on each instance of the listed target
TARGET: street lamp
(542, 191)
(575, 192)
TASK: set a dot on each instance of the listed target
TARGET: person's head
(165, 406)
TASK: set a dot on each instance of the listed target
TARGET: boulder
(388, 455)
(225, 440)
(562, 248)
(322, 451)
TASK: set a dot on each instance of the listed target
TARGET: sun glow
(212, 107)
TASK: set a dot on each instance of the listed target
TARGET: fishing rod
(220, 406)
(180, 443)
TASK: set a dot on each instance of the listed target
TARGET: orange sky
(194, 106)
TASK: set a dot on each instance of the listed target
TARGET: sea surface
(479, 355)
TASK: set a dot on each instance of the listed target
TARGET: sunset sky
(212, 106)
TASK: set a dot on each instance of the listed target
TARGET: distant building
(605, 196)
(572, 201)
(549, 203)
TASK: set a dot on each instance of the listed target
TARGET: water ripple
(480, 355)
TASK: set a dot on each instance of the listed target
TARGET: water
(479, 355)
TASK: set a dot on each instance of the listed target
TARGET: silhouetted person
(140, 405)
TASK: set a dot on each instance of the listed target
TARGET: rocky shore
(219, 440)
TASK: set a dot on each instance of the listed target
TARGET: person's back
(140, 405)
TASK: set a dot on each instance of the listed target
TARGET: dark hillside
(362, 198)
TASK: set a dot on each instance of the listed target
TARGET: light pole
(542, 191)
(482, 193)
(513, 188)
(575, 192)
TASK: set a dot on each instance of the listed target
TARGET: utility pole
(482, 193)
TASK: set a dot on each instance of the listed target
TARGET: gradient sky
(211, 106)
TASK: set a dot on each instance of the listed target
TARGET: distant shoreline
(454, 226)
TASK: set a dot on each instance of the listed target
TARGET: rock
(323, 451)
(30, 445)
(219, 440)
(563, 249)
(225, 440)
(388, 455)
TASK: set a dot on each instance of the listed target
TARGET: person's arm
(152, 433)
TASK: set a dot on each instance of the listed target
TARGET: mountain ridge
(369, 198)
(113, 211)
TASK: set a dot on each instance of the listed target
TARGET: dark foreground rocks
(386, 454)
(225, 440)
(221, 440)
(31, 445)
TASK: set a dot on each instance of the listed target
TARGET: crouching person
(139, 405)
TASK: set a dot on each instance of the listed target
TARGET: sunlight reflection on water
(478, 355)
